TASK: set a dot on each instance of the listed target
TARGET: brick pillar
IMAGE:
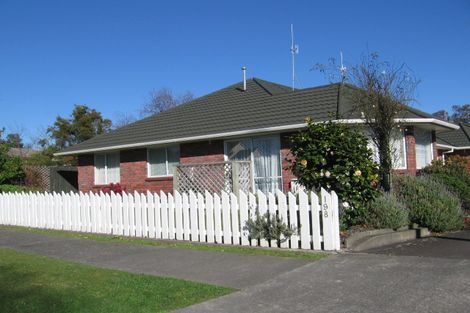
(410, 151)
(287, 175)
(86, 172)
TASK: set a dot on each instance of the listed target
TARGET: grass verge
(31, 283)
(175, 244)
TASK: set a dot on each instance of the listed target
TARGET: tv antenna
(342, 68)
(294, 49)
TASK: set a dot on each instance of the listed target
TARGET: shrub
(16, 188)
(430, 203)
(11, 169)
(116, 188)
(454, 175)
(270, 227)
(386, 211)
(336, 157)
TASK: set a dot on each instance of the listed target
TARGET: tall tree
(384, 91)
(461, 113)
(84, 123)
(12, 139)
(162, 100)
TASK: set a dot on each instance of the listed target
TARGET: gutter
(452, 147)
(247, 132)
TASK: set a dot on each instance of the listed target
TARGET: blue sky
(110, 54)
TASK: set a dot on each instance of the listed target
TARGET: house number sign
(325, 208)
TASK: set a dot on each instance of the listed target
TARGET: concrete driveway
(428, 275)
(451, 245)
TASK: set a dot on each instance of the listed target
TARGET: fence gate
(215, 177)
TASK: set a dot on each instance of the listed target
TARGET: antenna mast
(294, 49)
(342, 68)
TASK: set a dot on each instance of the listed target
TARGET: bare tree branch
(162, 100)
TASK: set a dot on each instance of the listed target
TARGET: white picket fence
(182, 216)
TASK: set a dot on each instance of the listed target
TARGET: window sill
(160, 178)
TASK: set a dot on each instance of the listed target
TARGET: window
(398, 149)
(107, 168)
(163, 161)
(423, 147)
(264, 153)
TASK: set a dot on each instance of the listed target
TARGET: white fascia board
(186, 139)
(406, 121)
(246, 132)
(452, 147)
(428, 121)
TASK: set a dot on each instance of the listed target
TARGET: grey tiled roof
(264, 104)
(456, 138)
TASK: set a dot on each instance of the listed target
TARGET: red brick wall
(86, 172)
(287, 175)
(134, 164)
(134, 167)
(134, 173)
(202, 152)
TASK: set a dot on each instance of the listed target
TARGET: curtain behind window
(113, 163)
(398, 149)
(100, 162)
(157, 162)
(267, 165)
(423, 147)
(173, 154)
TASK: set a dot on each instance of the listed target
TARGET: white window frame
(106, 182)
(252, 158)
(430, 151)
(166, 161)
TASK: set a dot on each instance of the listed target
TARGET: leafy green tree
(84, 123)
(11, 167)
(12, 139)
(336, 157)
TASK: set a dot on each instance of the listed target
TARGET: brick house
(455, 142)
(250, 121)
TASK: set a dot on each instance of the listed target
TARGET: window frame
(252, 158)
(106, 181)
(166, 161)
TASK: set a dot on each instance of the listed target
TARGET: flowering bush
(336, 157)
(116, 188)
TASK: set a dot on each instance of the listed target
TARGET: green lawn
(31, 283)
(177, 244)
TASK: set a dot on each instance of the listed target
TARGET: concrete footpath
(359, 282)
(223, 269)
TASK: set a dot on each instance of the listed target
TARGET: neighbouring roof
(263, 106)
(457, 138)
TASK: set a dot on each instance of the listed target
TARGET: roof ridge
(261, 85)
(463, 126)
